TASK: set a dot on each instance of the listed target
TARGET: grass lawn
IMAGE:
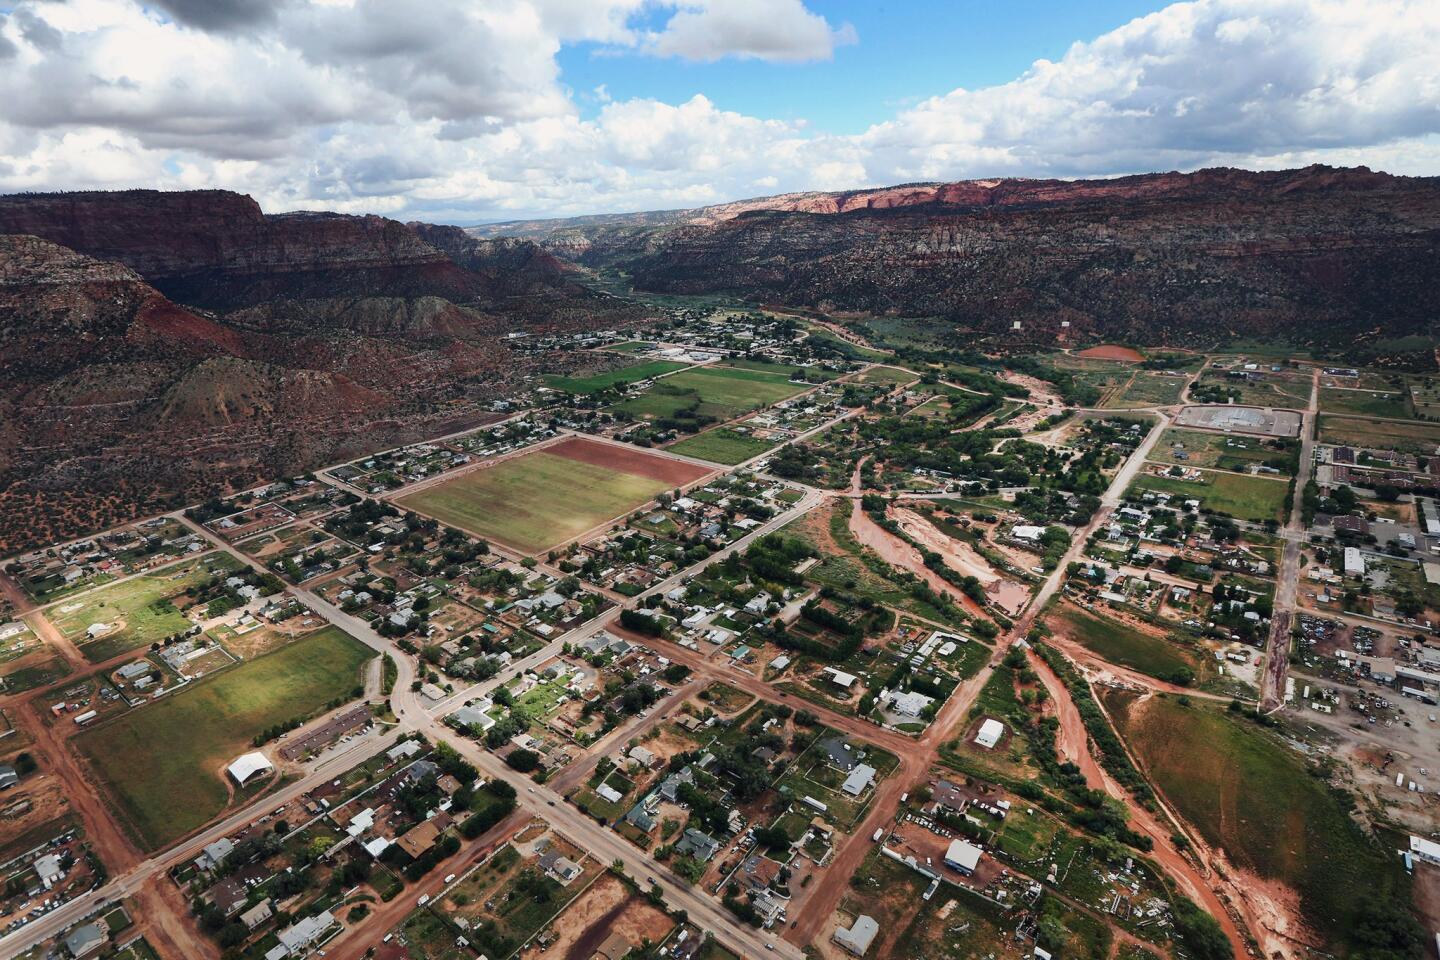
(164, 762)
(534, 501)
(1222, 450)
(814, 374)
(1244, 790)
(1414, 438)
(886, 375)
(1362, 402)
(722, 445)
(1148, 390)
(611, 378)
(722, 392)
(1246, 497)
(1123, 645)
(142, 604)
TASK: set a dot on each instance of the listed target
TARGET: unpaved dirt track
(1073, 743)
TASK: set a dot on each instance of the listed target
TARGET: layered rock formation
(1317, 256)
(157, 348)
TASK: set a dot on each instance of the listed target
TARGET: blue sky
(907, 50)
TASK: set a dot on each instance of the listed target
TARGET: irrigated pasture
(540, 499)
(164, 764)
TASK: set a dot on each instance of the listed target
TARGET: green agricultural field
(1245, 791)
(720, 392)
(1367, 404)
(534, 501)
(1123, 645)
(1240, 495)
(141, 604)
(886, 375)
(164, 763)
(1420, 439)
(611, 378)
(722, 445)
(814, 374)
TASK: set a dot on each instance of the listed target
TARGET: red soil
(1111, 351)
(628, 460)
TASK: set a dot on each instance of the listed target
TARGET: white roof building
(963, 856)
(990, 733)
(1354, 562)
(248, 766)
(859, 779)
(1025, 532)
(840, 678)
(859, 936)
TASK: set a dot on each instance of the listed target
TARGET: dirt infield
(1112, 351)
(628, 460)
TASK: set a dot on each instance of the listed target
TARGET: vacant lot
(547, 497)
(1121, 644)
(601, 381)
(1148, 390)
(138, 610)
(722, 445)
(1414, 438)
(1246, 792)
(1240, 495)
(1366, 403)
(720, 392)
(164, 763)
(1197, 448)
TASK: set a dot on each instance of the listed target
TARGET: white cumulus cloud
(456, 109)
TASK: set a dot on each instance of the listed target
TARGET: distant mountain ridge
(1312, 256)
(169, 345)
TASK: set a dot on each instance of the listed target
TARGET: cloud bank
(457, 110)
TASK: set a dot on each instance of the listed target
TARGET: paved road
(1277, 647)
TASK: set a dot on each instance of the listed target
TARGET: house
(248, 766)
(858, 937)
(670, 786)
(613, 947)
(640, 818)
(467, 717)
(47, 868)
(562, 868)
(963, 856)
(418, 839)
(608, 793)
(768, 907)
(859, 780)
(910, 703)
(257, 914)
(642, 756)
(227, 896)
(86, 941)
(403, 751)
(299, 937)
(214, 855)
(699, 845)
(1030, 534)
(990, 733)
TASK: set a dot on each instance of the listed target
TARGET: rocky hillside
(1317, 255)
(159, 347)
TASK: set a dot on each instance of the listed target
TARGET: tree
(523, 760)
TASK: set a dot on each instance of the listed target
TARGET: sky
(467, 111)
